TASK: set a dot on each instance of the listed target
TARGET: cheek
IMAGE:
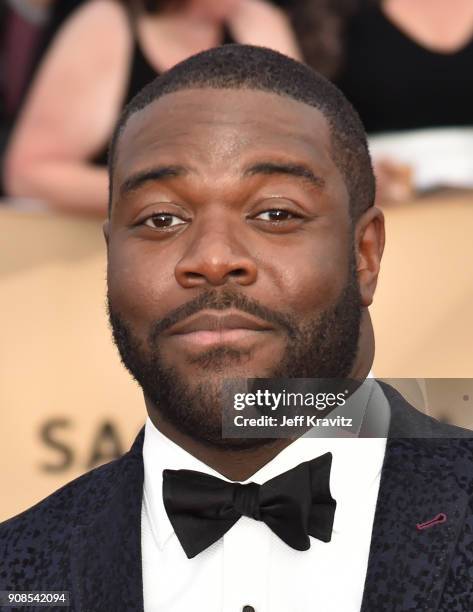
(312, 278)
(138, 285)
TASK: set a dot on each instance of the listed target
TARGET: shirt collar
(356, 466)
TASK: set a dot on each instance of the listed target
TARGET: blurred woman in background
(407, 70)
(406, 67)
(26, 28)
(104, 54)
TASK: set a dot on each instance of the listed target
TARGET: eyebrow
(160, 173)
(157, 174)
(298, 170)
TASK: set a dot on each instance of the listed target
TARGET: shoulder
(90, 23)
(57, 515)
(407, 421)
(100, 13)
(445, 445)
(36, 545)
(425, 449)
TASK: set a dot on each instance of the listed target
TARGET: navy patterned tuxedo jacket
(86, 538)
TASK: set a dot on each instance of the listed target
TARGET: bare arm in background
(70, 113)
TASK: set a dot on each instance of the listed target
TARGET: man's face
(230, 250)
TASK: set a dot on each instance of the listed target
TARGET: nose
(214, 257)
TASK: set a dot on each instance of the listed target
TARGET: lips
(219, 323)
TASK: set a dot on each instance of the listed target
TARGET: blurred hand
(394, 182)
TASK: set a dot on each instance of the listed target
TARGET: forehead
(218, 127)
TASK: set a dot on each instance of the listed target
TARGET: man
(242, 242)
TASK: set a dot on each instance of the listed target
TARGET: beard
(323, 347)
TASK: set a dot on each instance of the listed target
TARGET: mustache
(225, 300)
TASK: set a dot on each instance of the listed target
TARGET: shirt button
(248, 609)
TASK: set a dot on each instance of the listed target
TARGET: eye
(162, 220)
(276, 214)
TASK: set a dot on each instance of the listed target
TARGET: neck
(366, 345)
(242, 464)
(233, 464)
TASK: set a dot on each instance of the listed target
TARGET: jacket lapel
(106, 553)
(407, 567)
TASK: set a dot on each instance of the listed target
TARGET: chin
(220, 365)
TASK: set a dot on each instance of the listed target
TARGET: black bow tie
(295, 504)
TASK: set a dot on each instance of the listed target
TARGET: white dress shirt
(250, 565)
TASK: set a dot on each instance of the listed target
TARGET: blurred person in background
(26, 28)
(406, 67)
(105, 53)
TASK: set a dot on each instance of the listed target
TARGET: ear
(106, 230)
(369, 243)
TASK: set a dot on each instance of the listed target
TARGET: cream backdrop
(66, 402)
(64, 396)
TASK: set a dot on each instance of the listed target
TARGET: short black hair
(249, 67)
